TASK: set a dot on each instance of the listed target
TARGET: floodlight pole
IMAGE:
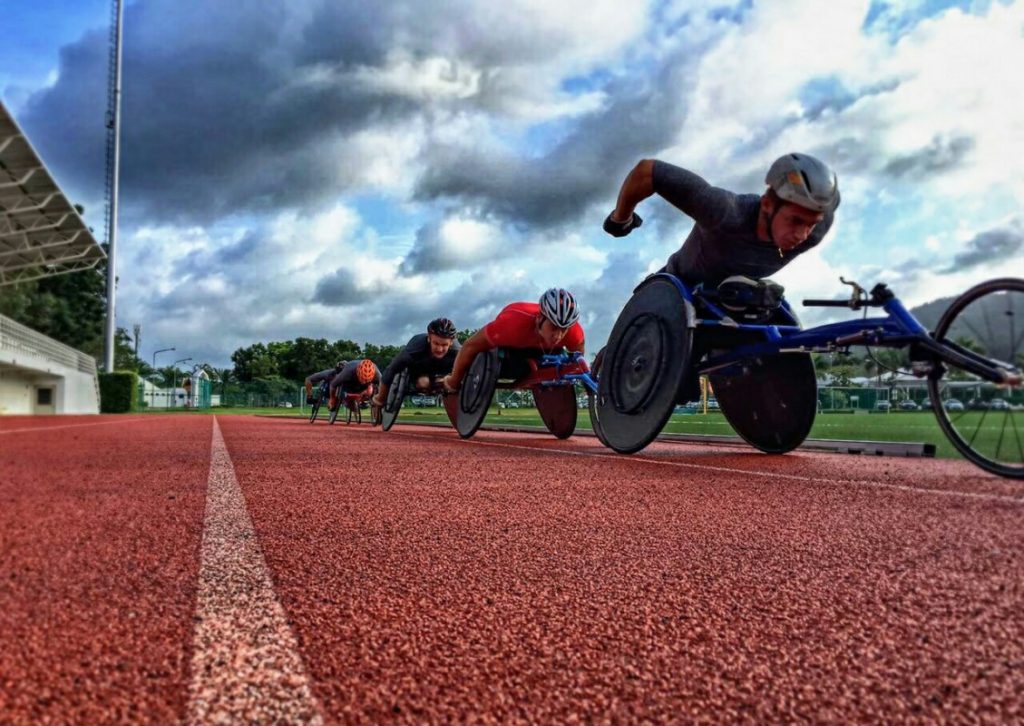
(162, 350)
(114, 127)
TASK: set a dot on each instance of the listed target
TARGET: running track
(166, 568)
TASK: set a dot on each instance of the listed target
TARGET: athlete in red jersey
(543, 327)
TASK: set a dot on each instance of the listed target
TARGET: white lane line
(748, 472)
(246, 667)
(75, 426)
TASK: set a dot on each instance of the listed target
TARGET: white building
(40, 375)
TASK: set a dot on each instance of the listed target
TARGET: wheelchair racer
(324, 375)
(357, 377)
(735, 234)
(533, 329)
(427, 356)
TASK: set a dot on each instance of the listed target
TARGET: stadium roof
(41, 234)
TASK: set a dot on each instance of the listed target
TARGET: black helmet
(443, 327)
(340, 364)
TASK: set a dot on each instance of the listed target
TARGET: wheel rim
(397, 392)
(636, 370)
(987, 423)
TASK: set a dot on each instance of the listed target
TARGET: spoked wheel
(645, 360)
(396, 395)
(354, 413)
(315, 409)
(770, 402)
(983, 420)
(476, 392)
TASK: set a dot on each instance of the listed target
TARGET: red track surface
(515, 576)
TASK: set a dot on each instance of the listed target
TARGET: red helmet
(366, 371)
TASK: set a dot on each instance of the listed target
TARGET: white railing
(18, 338)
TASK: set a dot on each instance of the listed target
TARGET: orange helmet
(366, 371)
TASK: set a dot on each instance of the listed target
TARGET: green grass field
(896, 426)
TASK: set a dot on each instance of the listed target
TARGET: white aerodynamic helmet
(559, 306)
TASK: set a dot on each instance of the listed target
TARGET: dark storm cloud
(1001, 245)
(585, 168)
(941, 155)
(338, 289)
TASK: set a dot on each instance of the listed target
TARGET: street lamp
(162, 350)
(174, 385)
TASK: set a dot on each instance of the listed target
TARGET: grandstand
(41, 234)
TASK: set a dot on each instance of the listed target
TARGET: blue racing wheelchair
(759, 365)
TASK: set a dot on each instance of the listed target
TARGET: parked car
(907, 405)
(953, 404)
(883, 406)
(999, 404)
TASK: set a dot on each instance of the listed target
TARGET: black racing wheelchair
(550, 377)
(401, 387)
(351, 402)
(758, 361)
(323, 392)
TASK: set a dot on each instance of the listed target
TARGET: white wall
(29, 359)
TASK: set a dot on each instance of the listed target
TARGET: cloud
(940, 155)
(452, 243)
(992, 247)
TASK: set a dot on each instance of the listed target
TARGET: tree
(465, 334)
(382, 355)
(253, 362)
(305, 356)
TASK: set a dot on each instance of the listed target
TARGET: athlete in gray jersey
(428, 356)
(324, 375)
(735, 234)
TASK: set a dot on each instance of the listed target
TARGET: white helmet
(559, 306)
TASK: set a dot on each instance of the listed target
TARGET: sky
(343, 169)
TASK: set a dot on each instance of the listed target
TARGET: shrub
(118, 391)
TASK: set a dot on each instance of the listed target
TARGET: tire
(315, 410)
(476, 392)
(396, 396)
(988, 319)
(334, 414)
(645, 361)
(595, 420)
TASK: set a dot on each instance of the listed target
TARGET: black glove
(621, 229)
(309, 400)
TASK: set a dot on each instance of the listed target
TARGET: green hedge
(119, 391)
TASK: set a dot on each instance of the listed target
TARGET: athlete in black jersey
(735, 234)
(428, 356)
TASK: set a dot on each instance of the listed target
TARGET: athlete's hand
(621, 229)
(449, 384)
(309, 400)
(377, 401)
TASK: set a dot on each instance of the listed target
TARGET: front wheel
(983, 420)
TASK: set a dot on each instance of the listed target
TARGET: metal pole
(111, 322)
(162, 350)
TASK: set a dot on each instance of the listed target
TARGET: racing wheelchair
(550, 377)
(350, 402)
(402, 387)
(323, 393)
(669, 334)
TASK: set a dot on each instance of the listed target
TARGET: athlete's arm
(476, 344)
(637, 186)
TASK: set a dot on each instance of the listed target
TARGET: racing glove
(621, 229)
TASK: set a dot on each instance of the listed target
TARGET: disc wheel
(644, 363)
(557, 408)
(396, 395)
(771, 402)
(595, 421)
(476, 392)
(984, 421)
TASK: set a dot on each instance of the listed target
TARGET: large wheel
(334, 413)
(770, 402)
(645, 360)
(315, 409)
(984, 421)
(354, 413)
(595, 421)
(476, 393)
(557, 408)
(396, 395)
